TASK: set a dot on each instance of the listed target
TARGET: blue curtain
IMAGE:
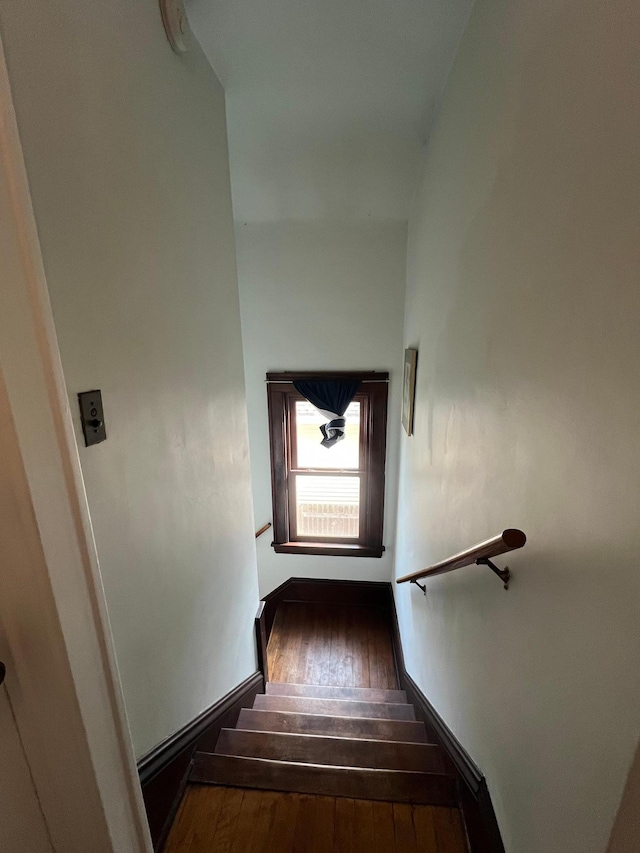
(331, 397)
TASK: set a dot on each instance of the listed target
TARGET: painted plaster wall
(523, 298)
(126, 151)
(320, 295)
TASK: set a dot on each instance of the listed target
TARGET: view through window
(327, 504)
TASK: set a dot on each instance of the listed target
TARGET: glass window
(344, 455)
(327, 500)
(328, 506)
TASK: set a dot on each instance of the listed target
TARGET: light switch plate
(92, 417)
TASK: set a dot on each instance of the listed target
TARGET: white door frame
(62, 677)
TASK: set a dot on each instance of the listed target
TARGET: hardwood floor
(333, 645)
(235, 820)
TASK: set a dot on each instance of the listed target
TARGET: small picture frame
(409, 389)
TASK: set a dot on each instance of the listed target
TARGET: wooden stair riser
(391, 785)
(335, 707)
(317, 724)
(318, 749)
(318, 691)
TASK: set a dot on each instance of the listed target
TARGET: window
(327, 500)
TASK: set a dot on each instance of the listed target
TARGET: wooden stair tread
(320, 691)
(404, 786)
(289, 721)
(326, 750)
(337, 707)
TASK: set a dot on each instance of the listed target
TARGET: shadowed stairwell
(330, 758)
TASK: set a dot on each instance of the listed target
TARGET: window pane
(328, 506)
(344, 454)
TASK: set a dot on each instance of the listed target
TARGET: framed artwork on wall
(409, 389)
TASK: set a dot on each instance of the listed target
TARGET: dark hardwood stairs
(363, 743)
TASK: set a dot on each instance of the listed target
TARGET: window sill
(332, 549)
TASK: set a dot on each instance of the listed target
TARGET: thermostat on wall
(175, 23)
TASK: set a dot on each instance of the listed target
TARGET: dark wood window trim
(372, 395)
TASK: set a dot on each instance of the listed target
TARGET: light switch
(92, 417)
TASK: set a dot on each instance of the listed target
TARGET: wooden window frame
(372, 394)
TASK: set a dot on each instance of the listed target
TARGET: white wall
(325, 295)
(328, 103)
(126, 152)
(523, 298)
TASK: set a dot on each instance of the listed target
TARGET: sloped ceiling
(329, 103)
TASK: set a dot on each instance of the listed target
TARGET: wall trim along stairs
(325, 591)
(164, 770)
(479, 817)
(475, 801)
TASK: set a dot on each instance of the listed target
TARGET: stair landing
(235, 820)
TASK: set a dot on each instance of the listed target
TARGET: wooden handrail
(263, 529)
(508, 540)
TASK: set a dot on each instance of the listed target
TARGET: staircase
(362, 743)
